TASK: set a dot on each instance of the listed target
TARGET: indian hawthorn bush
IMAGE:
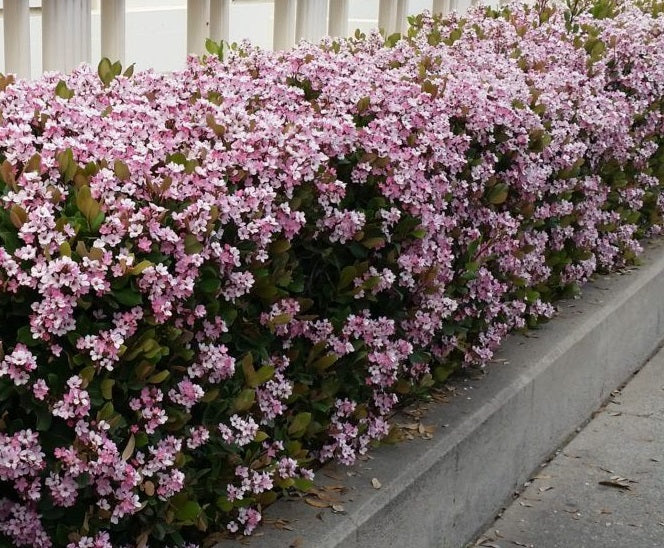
(211, 280)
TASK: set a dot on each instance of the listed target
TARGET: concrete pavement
(605, 488)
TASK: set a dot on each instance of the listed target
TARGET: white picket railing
(66, 26)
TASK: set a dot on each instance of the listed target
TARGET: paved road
(606, 487)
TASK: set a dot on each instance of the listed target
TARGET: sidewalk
(606, 487)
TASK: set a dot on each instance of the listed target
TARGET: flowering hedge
(211, 279)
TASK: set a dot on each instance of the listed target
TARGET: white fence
(41, 35)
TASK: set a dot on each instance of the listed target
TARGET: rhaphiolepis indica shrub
(213, 279)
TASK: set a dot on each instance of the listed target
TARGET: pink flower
(18, 365)
(187, 394)
(74, 403)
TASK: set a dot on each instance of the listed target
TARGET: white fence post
(113, 30)
(338, 18)
(220, 11)
(387, 16)
(311, 22)
(440, 6)
(66, 28)
(198, 13)
(401, 16)
(16, 21)
(284, 24)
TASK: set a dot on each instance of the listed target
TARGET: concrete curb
(444, 491)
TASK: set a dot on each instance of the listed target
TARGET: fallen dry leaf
(526, 504)
(541, 476)
(279, 524)
(337, 488)
(326, 496)
(623, 480)
(376, 484)
(338, 509)
(333, 476)
(616, 484)
(316, 503)
(544, 488)
(297, 542)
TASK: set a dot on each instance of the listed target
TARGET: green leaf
(303, 484)
(348, 274)
(44, 419)
(210, 285)
(106, 412)
(24, 335)
(128, 296)
(373, 243)
(62, 91)
(97, 221)
(261, 436)
(107, 388)
(121, 170)
(192, 245)
(129, 71)
(140, 267)
(299, 424)
(326, 361)
(18, 216)
(264, 374)
(280, 246)
(224, 504)
(141, 439)
(497, 194)
(248, 370)
(244, 400)
(187, 511)
(87, 374)
(280, 319)
(363, 104)
(160, 377)
(66, 164)
(211, 46)
(9, 239)
(88, 205)
(105, 71)
(441, 373)
(392, 39)
(215, 48)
